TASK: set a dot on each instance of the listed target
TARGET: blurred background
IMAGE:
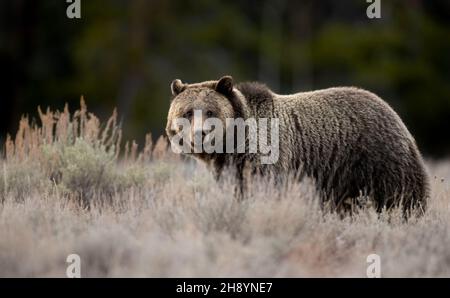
(124, 54)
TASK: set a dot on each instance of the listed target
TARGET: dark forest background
(124, 54)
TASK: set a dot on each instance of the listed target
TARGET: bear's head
(206, 106)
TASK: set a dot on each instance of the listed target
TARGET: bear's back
(350, 140)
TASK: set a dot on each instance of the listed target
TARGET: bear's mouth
(198, 146)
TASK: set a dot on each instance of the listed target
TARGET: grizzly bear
(348, 140)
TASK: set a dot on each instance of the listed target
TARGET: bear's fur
(348, 140)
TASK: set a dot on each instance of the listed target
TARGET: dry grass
(66, 187)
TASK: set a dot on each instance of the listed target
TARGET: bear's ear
(177, 87)
(225, 85)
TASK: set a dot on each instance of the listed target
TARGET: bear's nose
(199, 136)
(200, 133)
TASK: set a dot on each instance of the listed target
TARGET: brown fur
(347, 139)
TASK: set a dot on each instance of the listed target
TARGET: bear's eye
(209, 114)
(187, 115)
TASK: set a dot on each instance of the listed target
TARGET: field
(67, 186)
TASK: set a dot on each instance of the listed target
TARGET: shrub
(75, 154)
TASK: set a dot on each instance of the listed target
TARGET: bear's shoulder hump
(255, 93)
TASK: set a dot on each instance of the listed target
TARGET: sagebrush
(70, 184)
